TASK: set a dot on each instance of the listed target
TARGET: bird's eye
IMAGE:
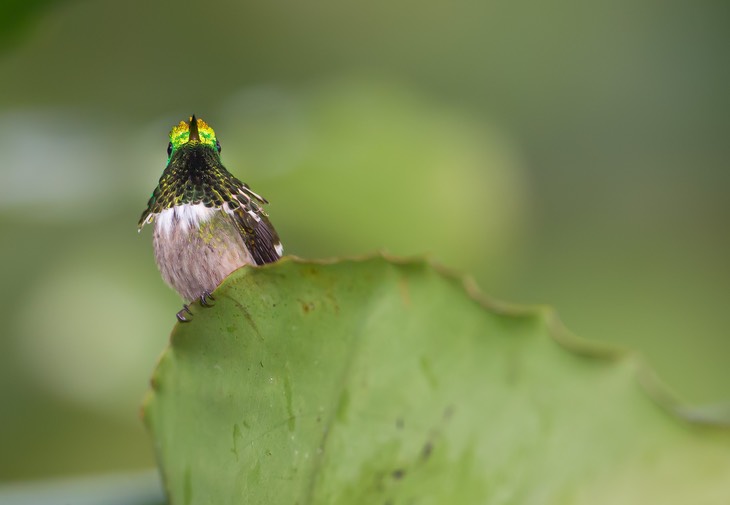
(169, 149)
(218, 146)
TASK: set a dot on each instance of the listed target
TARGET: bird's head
(193, 134)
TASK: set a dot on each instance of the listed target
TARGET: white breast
(185, 216)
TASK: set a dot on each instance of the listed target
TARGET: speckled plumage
(207, 223)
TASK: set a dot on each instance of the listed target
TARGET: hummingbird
(207, 223)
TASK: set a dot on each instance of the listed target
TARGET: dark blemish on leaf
(398, 474)
(399, 423)
(342, 405)
(261, 363)
(247, 316)
(246, 425)
(378, 478)
(448, 412)
(312, 271)
(427, 372)
(307, 307)
(236, 435)
(287, 395)
(255, 473)
(426, 451)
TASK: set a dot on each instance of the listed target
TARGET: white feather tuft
(184, 216)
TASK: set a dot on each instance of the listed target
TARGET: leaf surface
(377, 381)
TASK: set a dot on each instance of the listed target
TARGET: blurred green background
(572, 153)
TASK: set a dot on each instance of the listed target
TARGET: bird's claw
(204, 299)
(181, 315)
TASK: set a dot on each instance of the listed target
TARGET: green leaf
(377, 381)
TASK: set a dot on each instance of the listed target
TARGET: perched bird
(207, 223)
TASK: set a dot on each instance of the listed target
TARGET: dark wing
(257, 232)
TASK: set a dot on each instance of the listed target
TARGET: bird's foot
(205, 299)
(181, 315)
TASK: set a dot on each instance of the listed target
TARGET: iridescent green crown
(180, 134)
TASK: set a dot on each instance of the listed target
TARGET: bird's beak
(194, 136)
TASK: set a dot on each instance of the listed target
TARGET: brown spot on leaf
(306, 306)
(426, 451)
